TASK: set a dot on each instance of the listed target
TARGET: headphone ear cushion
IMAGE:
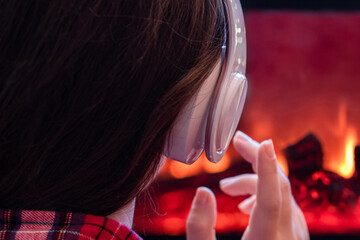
(224, 115)
(186, 141)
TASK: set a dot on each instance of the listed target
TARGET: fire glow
(303, 73)
(347, 167)
(345, 147)
(179, 170)
(322, 215)
(339, 158)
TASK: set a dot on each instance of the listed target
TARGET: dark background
(340, 5)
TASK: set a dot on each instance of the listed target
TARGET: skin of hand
(274, 214)
(200, 224)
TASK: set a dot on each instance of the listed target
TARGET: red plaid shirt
(39, 225)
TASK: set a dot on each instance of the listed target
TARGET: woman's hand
(200, 224)
(273, 211)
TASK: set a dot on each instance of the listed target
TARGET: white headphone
(210, 119)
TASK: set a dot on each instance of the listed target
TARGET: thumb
(201, 221)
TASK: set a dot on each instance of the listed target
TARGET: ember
(310, 180)
(330, 202)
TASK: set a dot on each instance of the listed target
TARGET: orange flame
(347, 166)
(283, 164)
(342, 161)
(179, 170)
(221, 166)
(337, 135)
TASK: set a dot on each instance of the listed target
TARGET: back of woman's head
(89, 91)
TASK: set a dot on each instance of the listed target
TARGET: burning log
(314, 185)
(305, 157)
(355, 180)
(357, 161)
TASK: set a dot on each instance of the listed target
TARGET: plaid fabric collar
(24, 224)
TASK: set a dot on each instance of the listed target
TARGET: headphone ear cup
(186, 141)
(224, 115)
(230, 93)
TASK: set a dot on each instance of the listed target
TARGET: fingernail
(224, 182)
(242, 136)
(200, 196)
(269, 148)
(242, 205)
(246, 202)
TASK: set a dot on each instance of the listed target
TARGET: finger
(239, 185)
(286, 198)
(247, 205)
(246, 234)
(201, 221)
(247, 147)
(304, 231)
(265, 215)
(268, 188)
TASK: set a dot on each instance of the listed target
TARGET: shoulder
(27, 224)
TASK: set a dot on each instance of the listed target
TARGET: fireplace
(304, 93)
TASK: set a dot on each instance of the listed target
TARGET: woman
(89, 91)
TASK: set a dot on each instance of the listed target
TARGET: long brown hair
(89, 91)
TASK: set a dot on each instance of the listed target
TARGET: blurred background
(303, 67)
